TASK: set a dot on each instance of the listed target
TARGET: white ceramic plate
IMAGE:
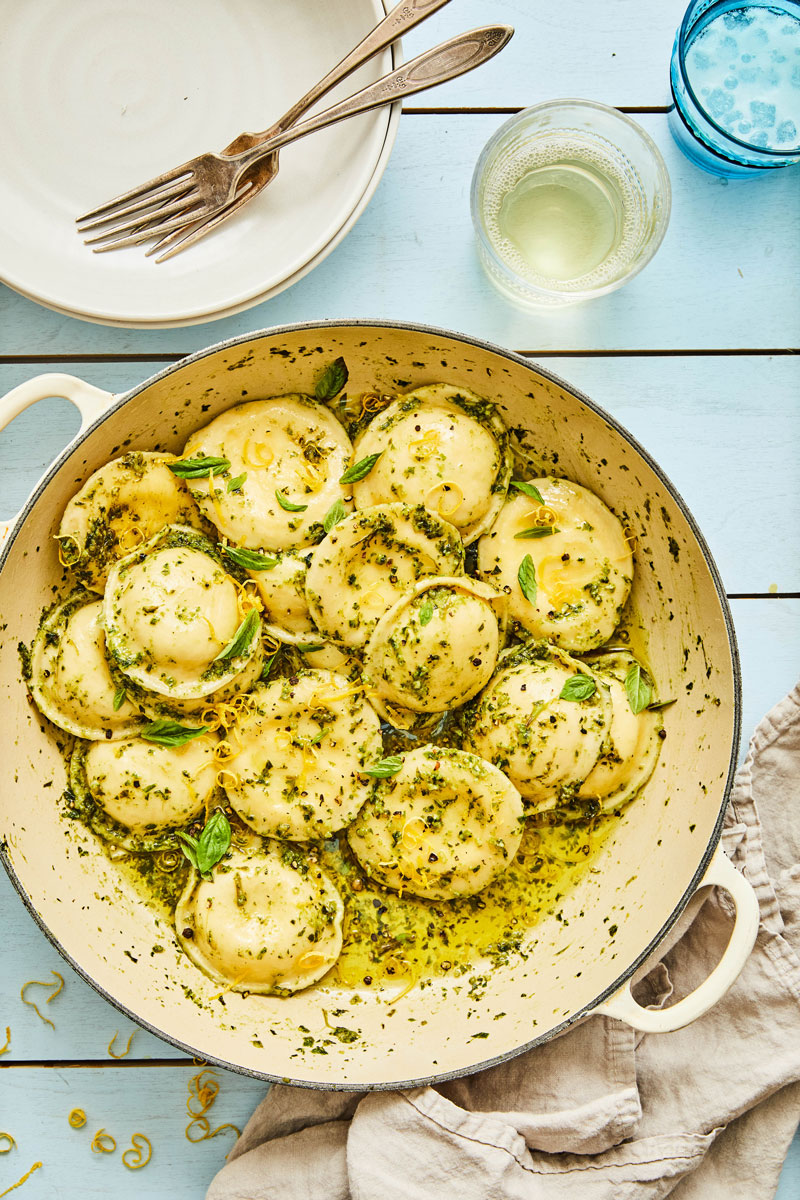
(99, 96)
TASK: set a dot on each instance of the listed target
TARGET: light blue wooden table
(697, 357)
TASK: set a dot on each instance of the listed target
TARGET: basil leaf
(251, 560)
(170, 733)
(578, 687)
(332, 380)
(198, 468)
(265, 670)
(120, 696)
(334, 515)
(213, 841)
(538, 531)
(526, 577)
(655, 705)
(287, 504)
(188, 846)
(242, 640)
(317, 738)
(425, 612)
(637, 689)
(360, 469)
(235, 484)
(528, 489)
(307, 647)
(384, 768)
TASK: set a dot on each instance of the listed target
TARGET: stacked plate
(100, 96)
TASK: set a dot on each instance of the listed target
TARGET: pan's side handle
(622, 1005)
(90, 402)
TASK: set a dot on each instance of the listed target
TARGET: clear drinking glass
(735, 77)
(570, 199)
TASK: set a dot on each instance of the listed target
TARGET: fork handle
(443, 62)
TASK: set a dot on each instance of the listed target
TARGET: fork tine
(145, 233)
(174, 243)
(172, 193)
(153, 186)
(151, 220)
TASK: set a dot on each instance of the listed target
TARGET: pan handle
(89, 400)
(622, 1005)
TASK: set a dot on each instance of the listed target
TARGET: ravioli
(175, 620)
(121, 505)
(437, 646)
(70, 682)
(282, 590)
(441, 446)
(633, 745)
(445, 825)
(369, 560)
(301, 750)
(262, 923)
(288, 447)
(148, 788)
(583, 569)
(546, 745)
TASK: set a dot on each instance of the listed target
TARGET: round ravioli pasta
(437, 646)
(444, 826)
(631, 752)
(546, 743)
(174, 618)
(583, 567)
(148, 788)
(443, 447)
(70, 681)
(261, 924)
(289, 453)
(369, 560)
(301, 750)
(282, 590)
(120, 506)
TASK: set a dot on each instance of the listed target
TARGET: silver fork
(200, 189)
(403, 17)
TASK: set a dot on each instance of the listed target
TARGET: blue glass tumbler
(735, 77)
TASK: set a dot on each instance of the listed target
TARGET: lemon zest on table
(50, 998)
(4, 1049)
(127, 1048)
(204, 1092)
(6, 1137)
(19, 1182)
(445, 487)
(100, 1143)
(77, 1118)
(135, 1148)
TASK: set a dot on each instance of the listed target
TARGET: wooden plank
(727, 275)
(769, 641)
(35, 1104)
(720, 428)
(615, 52)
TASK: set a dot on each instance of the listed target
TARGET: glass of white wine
(570, 199)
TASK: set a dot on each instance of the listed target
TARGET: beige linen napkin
(599, 1113)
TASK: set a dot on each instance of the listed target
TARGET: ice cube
(763, 114)
(786, 133)
(738, 19)
(759, 138)
(720, 102)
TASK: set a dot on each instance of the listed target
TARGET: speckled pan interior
(648, 869)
